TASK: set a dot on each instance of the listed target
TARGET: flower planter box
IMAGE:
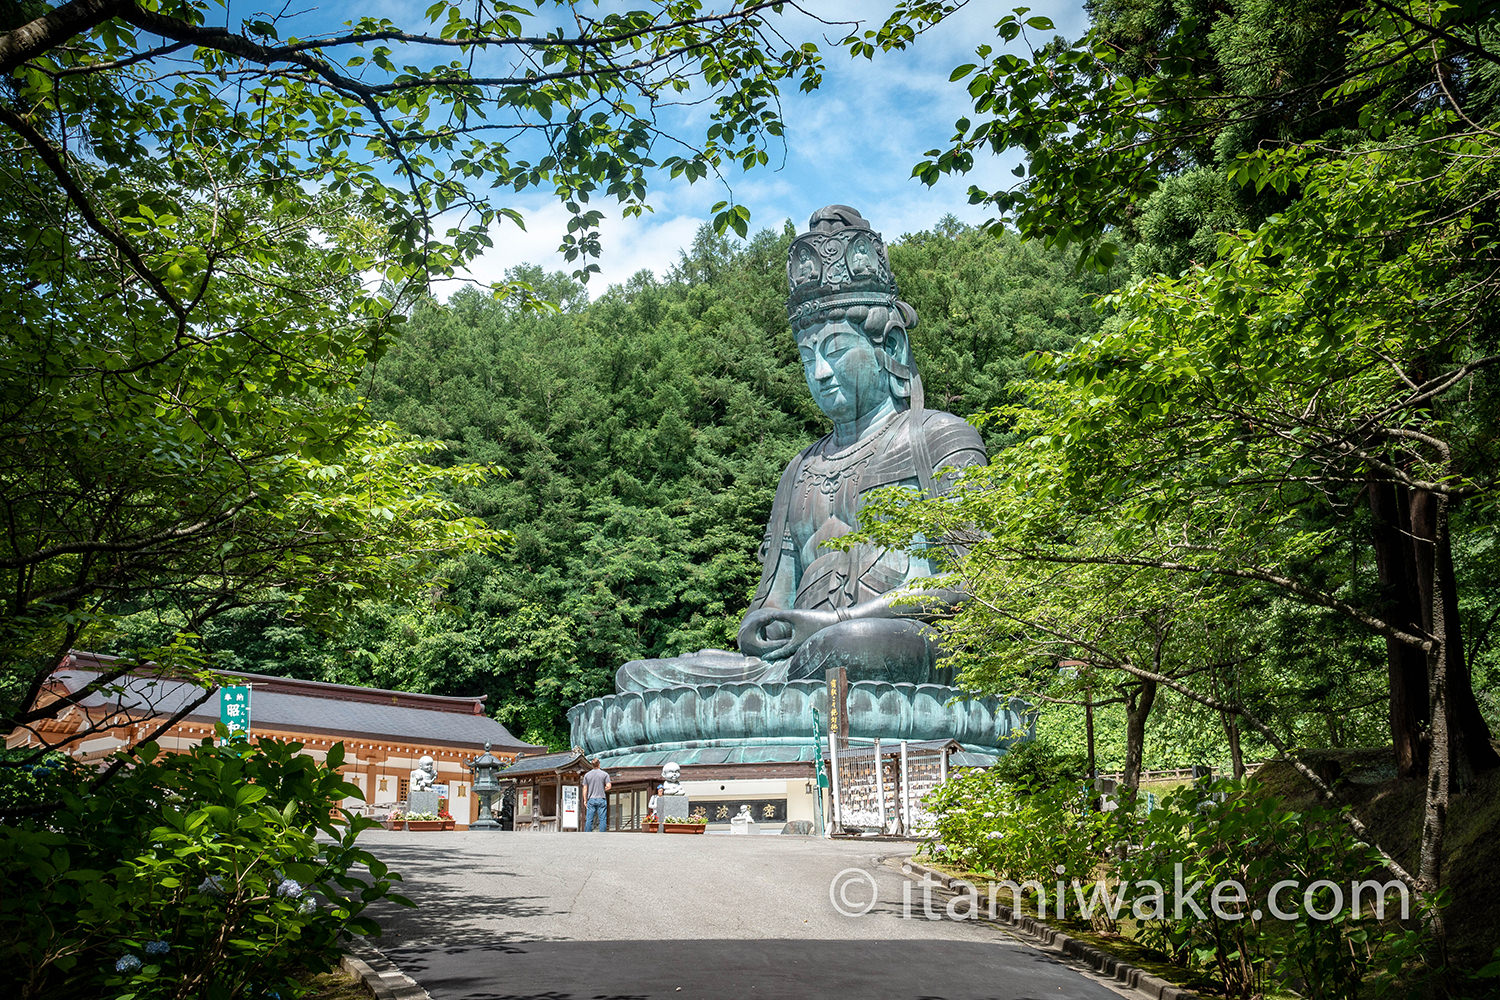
(450, 824)
(424, 824)
(393, 824)
(676, 828)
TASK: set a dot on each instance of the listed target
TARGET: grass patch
(336, 984)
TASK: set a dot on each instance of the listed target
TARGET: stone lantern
(486, 768)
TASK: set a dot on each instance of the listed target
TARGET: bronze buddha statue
(819, 607)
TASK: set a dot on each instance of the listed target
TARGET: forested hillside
(642, 435)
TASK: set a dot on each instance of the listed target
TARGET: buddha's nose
(822, 371)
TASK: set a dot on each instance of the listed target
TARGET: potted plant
(448, 822)
(423, 821)
(395, 820)
(696, 823)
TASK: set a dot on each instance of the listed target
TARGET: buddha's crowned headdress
(838, 263)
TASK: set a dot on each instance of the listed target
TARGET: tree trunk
(1465, 734)
(1232, 734)
(1137, 709)
(1471, 742)
(1406, 666)
(1088, 732)
(1439, 760)
(1414, 556)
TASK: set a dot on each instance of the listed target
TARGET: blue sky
(854, 141)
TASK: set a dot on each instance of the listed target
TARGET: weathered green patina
(774, 721)
(859, 607)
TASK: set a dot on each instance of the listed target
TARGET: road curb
(1049, 938)
(381, 976)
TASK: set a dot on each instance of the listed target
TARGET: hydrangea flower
(290, 888)
(308, 905)
(212, 886)
(128, 963)
(156, 949)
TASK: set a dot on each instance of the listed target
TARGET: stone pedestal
(423, 802)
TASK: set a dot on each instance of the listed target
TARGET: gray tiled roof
(308, 706)
(543, 763)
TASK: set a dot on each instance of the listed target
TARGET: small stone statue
(671, 778)
(424, 775)
(742, 822)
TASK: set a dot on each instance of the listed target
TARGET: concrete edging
(381, 976)
(1049, 938)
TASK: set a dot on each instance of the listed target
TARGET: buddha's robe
(818, 499)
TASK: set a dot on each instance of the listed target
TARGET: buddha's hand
(776, 633)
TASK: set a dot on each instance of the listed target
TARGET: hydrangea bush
(200, 874)
(1018, 831)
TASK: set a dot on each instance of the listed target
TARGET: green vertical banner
(234, 710)
(822, 772)
(819, 771)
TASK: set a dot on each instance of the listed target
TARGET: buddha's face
(842, 370)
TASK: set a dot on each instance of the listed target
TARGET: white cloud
(629, 245)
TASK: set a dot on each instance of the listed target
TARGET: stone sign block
(423, 802)
(672, 808)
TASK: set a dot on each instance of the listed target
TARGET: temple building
(385, 733)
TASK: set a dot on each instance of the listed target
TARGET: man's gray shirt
(594, 782)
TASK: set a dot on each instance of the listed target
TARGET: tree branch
(53, 28)
(56, 162)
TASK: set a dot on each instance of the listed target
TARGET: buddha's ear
(897, 361)
(898, 346)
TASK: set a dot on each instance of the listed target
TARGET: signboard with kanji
(724, 810)
(234, 709)
(838, 703)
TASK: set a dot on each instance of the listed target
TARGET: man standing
(595, 784)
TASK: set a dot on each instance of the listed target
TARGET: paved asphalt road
(506, 916)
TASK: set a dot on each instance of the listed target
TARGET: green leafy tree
(196, 205)
(1311, 411)
(1196, 121)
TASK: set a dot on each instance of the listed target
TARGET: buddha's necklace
(829, 470)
